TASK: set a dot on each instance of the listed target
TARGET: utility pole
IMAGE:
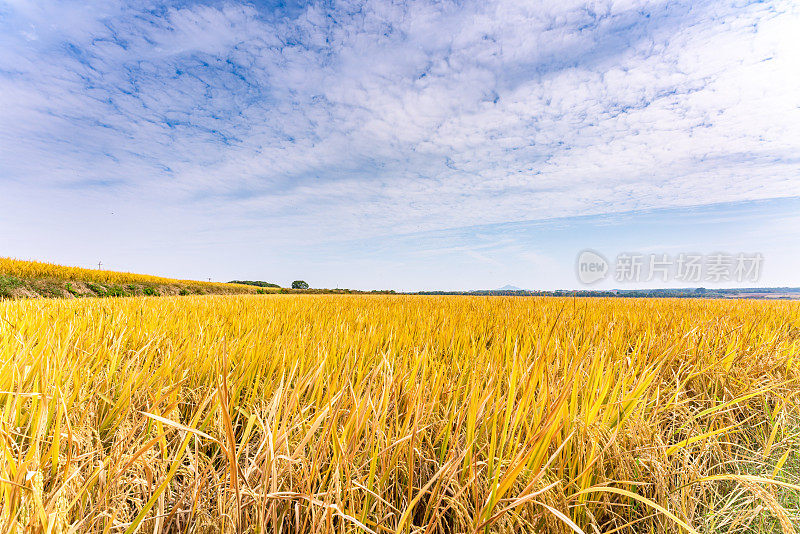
(99, 263)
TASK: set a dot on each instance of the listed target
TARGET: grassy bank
(34, 279)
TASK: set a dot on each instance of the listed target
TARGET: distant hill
(510, 288)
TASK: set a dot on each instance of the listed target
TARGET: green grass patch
(115, 291)
(7, 284)
(97, 289)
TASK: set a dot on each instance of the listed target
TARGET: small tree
(299, 284)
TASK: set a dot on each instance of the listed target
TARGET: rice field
(321, 413)
(42, 270)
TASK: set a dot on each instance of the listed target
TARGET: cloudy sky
(411, 145)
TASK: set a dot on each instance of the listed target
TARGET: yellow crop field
(306, 413)
(37, 269)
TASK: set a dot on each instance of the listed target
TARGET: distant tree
(299, 284)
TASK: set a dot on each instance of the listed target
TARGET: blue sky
(412, 145)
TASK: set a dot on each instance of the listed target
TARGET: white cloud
(377, 117)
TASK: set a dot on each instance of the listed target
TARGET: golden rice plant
(301, 413)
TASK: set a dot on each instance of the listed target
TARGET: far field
(335, 413)
(35, 279)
